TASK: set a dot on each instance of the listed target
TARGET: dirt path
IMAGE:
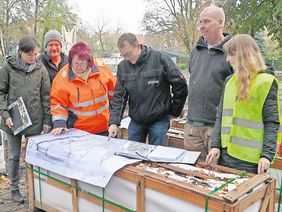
(6, 204)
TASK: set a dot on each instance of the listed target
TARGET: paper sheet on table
(87, 157)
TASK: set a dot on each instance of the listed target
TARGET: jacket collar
(202, 43)
(94, 70)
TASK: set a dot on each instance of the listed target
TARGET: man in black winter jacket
(155, 88)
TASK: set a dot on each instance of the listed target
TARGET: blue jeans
(157, 131)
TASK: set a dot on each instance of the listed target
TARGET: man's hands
(112, 131)
(213, 154)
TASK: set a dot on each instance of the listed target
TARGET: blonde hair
(248, 61)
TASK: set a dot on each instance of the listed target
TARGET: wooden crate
(122, 133)
(175, 138)
(178, 123)
(151, 192)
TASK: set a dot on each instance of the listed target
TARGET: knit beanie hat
(52, 35)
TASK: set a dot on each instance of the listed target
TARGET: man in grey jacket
(208, 69)
(155, 88)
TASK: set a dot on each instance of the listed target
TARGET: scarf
(25, 66)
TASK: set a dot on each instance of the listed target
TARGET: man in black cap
(53, 58)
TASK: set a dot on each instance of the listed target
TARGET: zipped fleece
(33, 87)
(208, 70)
(154, 86)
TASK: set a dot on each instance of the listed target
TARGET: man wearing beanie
(53, 58)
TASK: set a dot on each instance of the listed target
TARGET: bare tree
(12, 14)
(179, 17)
(37, 7)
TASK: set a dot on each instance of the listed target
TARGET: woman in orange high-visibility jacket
(81, 93)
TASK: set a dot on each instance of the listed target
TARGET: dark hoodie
(33, 87)
(154, 86)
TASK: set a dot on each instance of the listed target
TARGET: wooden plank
(74, 196)
(140, 196)
(271, 206)
(175, 142)
(265, 200)
(46, 207)
(221, 169)
(245, 187)
(30, 183)
(99, 202)
(186, 172)
(176, 131)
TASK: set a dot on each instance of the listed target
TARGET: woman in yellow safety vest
(247, 125)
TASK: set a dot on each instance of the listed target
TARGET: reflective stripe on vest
(227, 112)
(90, 102)
(248, 123)
(242, 129)
(90, 113)
(246, 142)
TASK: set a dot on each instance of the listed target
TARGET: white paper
(92, 158)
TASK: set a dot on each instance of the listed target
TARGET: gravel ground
(6, 204)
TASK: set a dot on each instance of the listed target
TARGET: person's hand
(263, 165)
(46, 128)
(58, 130)
(112, 131)
(214, 153)
(9, 122)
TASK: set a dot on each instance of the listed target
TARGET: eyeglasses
(127, 54)
(79, 64)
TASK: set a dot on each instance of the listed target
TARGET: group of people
(233, 102)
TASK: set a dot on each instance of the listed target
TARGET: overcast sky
(127, 14)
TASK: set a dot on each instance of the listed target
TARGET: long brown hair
(249, 61)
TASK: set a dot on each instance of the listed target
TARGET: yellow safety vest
(242, 130)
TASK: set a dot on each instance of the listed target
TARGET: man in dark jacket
(155, 88)
(53, 58)
(208, 70)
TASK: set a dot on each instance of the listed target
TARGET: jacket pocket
(130, 81)
(152, 79)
